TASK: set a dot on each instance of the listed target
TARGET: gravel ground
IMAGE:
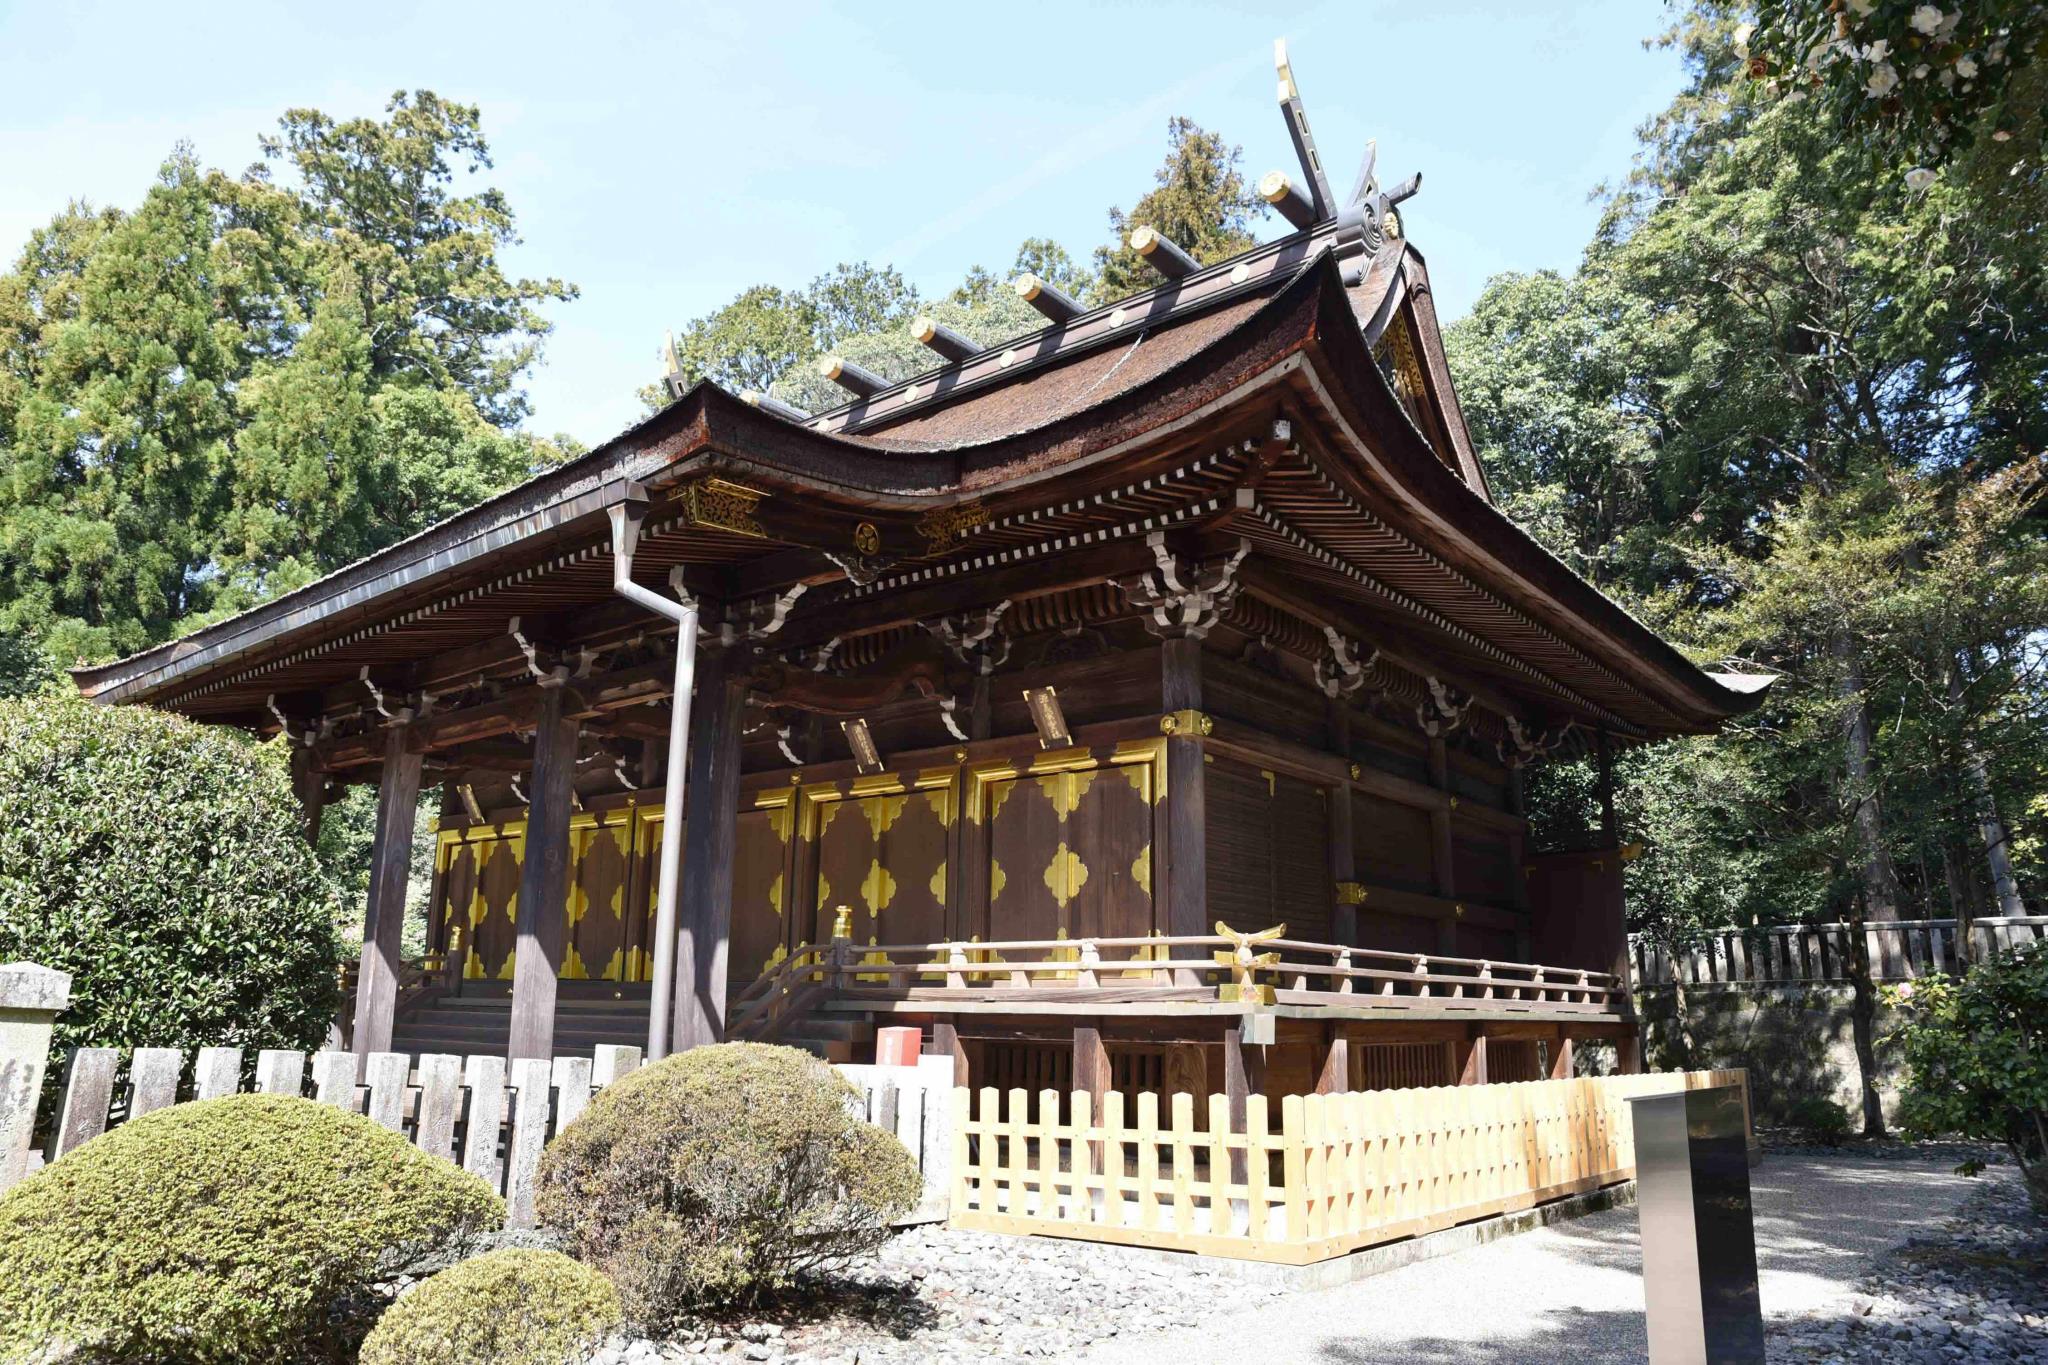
(1863, 1257)
(1973, 1290)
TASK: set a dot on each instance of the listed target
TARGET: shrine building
(1023, 701)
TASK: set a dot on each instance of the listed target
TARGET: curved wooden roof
(1145, 417)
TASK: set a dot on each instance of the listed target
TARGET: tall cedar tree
(1201, 203)
(246, 382)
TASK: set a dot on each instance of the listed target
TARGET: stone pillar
(31, 998)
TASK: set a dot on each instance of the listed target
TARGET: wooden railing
(1195, 968)
(1897, 950)
(1341, 1172)
(767, 1007)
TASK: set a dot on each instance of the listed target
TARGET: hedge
(239, 1230)
(722, 1175)
(161, 863)
(512, 1307)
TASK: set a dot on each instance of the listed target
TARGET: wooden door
(884, 856)
(1070, 853)
(607, 938)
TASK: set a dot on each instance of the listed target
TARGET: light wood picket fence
(490, 1117)
(1340, 1173)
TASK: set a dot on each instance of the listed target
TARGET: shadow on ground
(1565, 1336)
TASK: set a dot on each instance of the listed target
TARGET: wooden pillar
(1628, 1054)
(1468, 1059)
(1610, 827)
(1442, 849)
(1343, 870)
(1187, 1073)
(1335, 1077)
(1091, 1074)
(705, 921)
(946, 1043)
(398, 797)
(1561, 1058)
(1244, 1074)
(1187, 836)
(309, 785)
(543, 915)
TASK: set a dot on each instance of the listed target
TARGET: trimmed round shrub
(232, 1230)
(719, 1176)
(161, 863)
(513, 1307)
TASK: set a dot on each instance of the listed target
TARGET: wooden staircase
(480, 1020)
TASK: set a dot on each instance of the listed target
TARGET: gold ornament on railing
(842, 923)
(1244, 963)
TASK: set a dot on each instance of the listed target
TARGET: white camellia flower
(1966, 67)
(1926, 19)
(1920, 72)
(1863, 7)
(1919, 178)
(1883, 80)
(1742, 37)
(1878, 50)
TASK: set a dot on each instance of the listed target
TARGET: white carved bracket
(1343, 673)
(1443, 712)
(1183, 601)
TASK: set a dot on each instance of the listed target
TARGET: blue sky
(664, 157)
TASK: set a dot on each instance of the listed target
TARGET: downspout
(626, 519)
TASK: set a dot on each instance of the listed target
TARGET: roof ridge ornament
(1051, 302)
(1365, 220)
(672, 367)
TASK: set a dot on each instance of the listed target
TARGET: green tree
(1199, 201)
(243, 384)
(767, 335)
(123, 409)
(1924, 79)
(436, 306)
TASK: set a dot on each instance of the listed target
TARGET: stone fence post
(31, 998)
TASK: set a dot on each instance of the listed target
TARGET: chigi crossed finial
(1367, 218)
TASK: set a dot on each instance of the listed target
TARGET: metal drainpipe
(626, 519)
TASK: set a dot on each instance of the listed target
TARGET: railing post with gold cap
(842, 947)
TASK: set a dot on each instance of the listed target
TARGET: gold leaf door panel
(760, 894)
(761, 841)
(607, 938)
(606, 926)
(455, 866)
(1070, 854)
(479, 883)
(885, 856)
